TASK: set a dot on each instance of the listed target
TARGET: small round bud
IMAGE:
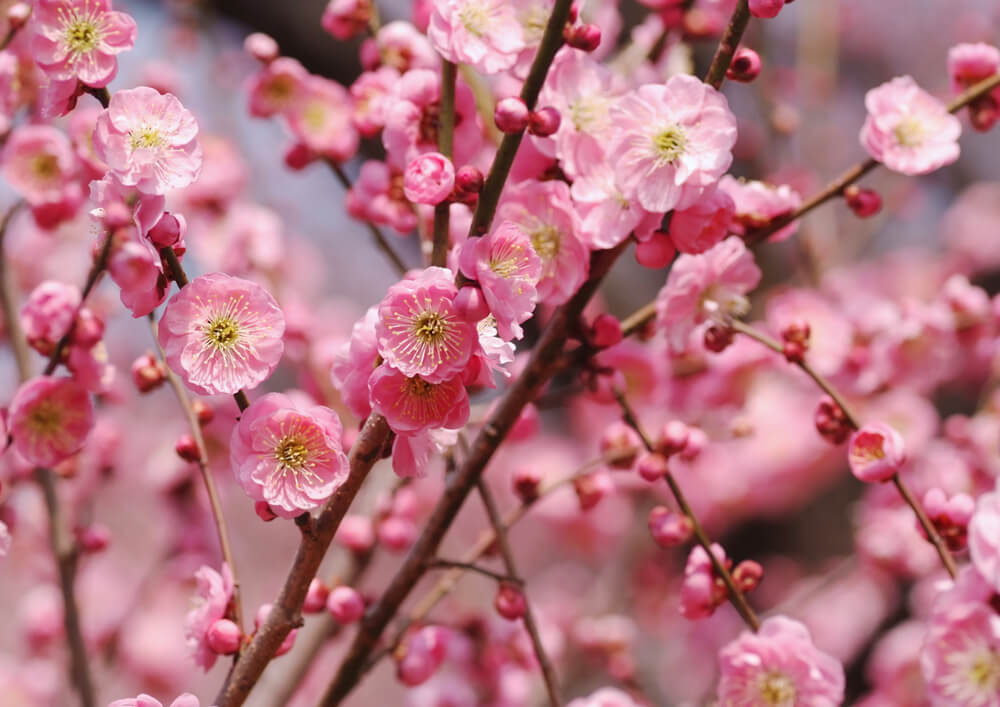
(983, 113)
(745, 66)
(93, 538)
(316, 596)
(697, 441)
(298, 156)
(468, 183)
(397, 533)
(224, 637)
(356, 533)
(605, 331)
(471, 304)
(591, 488)
(89, 329)
(429, 179)
(187, 449)
(863, 202)
(261, 47)
(831, 422)
(766, 9)
(620, 443)
(748, 575)
(510, 602)
(116, 215)
(652, 466)
(876, 452)
(421, 656)
(673, 438)
(526, 482)
(669, 529)
(264, 511)
(18, 14)
(656, 252)
(583, 37)
(718, 338)
(203, 411)
(544, 122)
(167, 231)
(345, 604)
(511, 115)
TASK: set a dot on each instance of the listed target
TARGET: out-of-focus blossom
(50, 419)
(214, 592)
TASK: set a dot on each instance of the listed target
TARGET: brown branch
(18, 344)
(446, 135)
(543, 362)
(439, 563)
(180, 392)
(928, 527)
(736, 597)
(727, 46)
(507, 553)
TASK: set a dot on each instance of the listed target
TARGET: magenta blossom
(140, 276)
(412, 404)
(702, 591)
(779, 665)
(420, 331)
(222, 334)
(483, 33)
(907, 129)
(149, 141)
(766, 8)
(214, 593)
(80, 39)
(287, 454)
(876, 453)
(50, 419)
(429, 179)
(673, 141)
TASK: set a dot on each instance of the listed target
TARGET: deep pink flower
(144, 700)
(50, 419)
(80, 39)
(377, 196)
(353, 365)
(969, 64)
(149, 141)
(507, 268)
(344, 19)
(702, 225)
(673, 141)
(222, 334)
(412, 404)
(707, 286)
(875, 453)
(766, 8)
(779, 665)
(48, 313)
(702, 592)
(907, 129)
(429, 179)
(403, 47)
(544, 211)
(483, 33)
(372, 93)
(39, 163)
(984, 538)
(213, 595)
(321, 119)
(277, 87)
(288, 455)
(420, 332)
(759, 203)
(140, 276)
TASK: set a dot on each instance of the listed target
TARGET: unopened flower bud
(471, 304)
(718, 338)
(673, 438)
(983, 113)
(468, 184)
(261, 47)
(526, 482)
(93, 538)
(831, 422)
(591, 488)
(187, 449)
(356, 533)
(622, 443)
(316, 596)
(345, 604)
(585, 37)
(656, 252)
(544, 121)
(652, 466)
(264, 511)
(748, 575)
(510, 602)
(876, 453)
(429, 179)
(224, 637)
(863, 202)
(421, 656)
(745, 66)
(766, 8)
(795, 341)
(397, 534)
(147, 373)
(668, 528)
(167, 230)
(511, 115)
(605, 331)
(18, 14)
(697, 441)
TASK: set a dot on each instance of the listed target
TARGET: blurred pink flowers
(50, 419)
(214, 592)
(876, 453)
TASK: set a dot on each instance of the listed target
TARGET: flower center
(669, 143)
(81, 34)
(291, 453)
(45, 419)
(222, 333)
(419, 388)
(430, 327)
(281, 88)
(146, 138)
(533, 21)
(475, 18)
(314, 116)
(909, 132)
(45, 166)
(777, 689)
(546, 242)
(984, 672)
(505, 268)
(589, 114)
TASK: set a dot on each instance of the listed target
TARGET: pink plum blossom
(354, 362)
(321, 119)
(605, 697)
(80, 39)
(968, 64)
(377, 196)
(277, 87)
(876, 453)
(907, 129)
(288, 455)
(757, 203)
(766, 8)
(420, 331)
(606, 216)
(699, 227)
(222, 334)
(48, 314)
(372, 91)
(149, 141)
(429, 179)
(214, 593)
(144, 700)
(984, 538)
(412, 404)
(482, 33)
(344, 19)
(139, 275)
(400, 45)
(708, 286)
(507, 268)
(50, 419)
(672, 142)
(39, 163)
(779, 665)
(702, 591)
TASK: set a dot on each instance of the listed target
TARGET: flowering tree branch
(727, 47)
(446, 135)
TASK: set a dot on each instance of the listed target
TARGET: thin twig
(206, 475)
(440, 563)
(727, 46)
(507, 554)
(736, 596)
(446, 134)
(18, 344)
(855, 423)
